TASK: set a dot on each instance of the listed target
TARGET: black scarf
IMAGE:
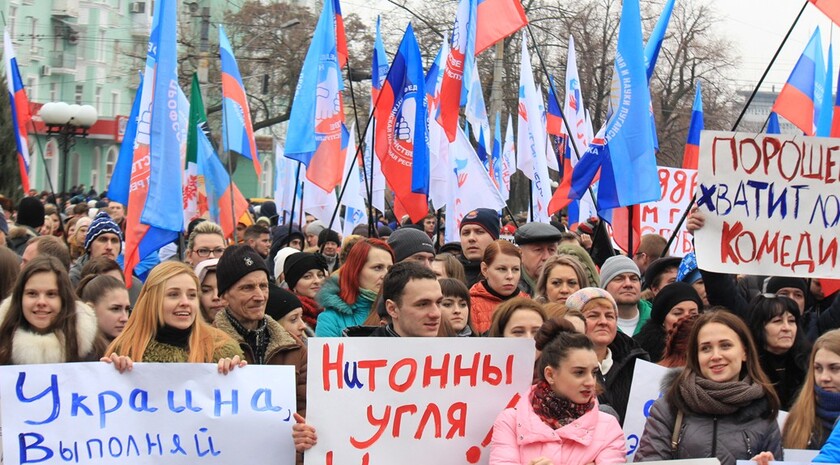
(173, 336)
(257, 339)
(492, 291)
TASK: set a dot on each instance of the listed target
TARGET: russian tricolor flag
(796, 100)
(219, 187)
(692, 145)
(20, 110)
(238, 135)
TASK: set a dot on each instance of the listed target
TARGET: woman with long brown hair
(720, 405)
(42, 322)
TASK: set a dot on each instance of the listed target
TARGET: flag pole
(291, 217)
(531, 200)
(372, 231)
(368, 186)
(230, 176)
(738, 120)
(559, 107)
(630, 231)
(300, 217)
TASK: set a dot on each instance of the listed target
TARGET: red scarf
(553, 410)
(311, 309)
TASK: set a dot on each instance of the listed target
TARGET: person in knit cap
(103, 239)
(285, 308)
(328, 243)
(795, 289)
(305, 274)
(617, 353)
(312, 231)
(621, 278)
(411, 244)
(242, 280)
(479, 228)
(30, 218)
(674, 302)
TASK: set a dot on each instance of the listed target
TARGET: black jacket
(619, 378)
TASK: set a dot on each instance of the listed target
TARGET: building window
(266, 185)
(115, 103)
(97, 100)
(80, 90)
(100, 45)
(53, 92)
(75, 169)
(110, 161)
(12, 21)
(94, 169)
(34, 34)
(32, 88)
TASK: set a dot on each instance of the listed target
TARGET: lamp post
(67, 122)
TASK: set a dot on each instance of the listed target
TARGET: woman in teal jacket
(348, 295)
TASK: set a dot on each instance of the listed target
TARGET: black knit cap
(236, 262)
(298, 264)
(30, 212)
(280, 302)
(328, 235)
(777, 282)
(669, 296)
(486, 218)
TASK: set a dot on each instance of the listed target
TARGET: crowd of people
(741, 348)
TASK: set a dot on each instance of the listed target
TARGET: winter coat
(160, 352)
(29, 348)
(830, 451)
(337, 313)
(18, 237)
(519, 436)
(739, 436)
(644, 306)
(472, 271)
(786, 372)
(283, 349)
(484, 303)
(619, 378)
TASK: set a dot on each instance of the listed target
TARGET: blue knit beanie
(102, 224)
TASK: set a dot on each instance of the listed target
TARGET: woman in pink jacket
(558, 422)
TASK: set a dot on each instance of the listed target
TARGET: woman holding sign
(720, 405)
(166, 325)
(558, 421)
(42, 322)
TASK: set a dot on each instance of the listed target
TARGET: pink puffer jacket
(519, 436)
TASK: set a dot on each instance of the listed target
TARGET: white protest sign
(412, 401)
(771, 204)
(647, 378)
(661, 217)
(167, 413)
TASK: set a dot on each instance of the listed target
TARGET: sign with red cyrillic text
(771, 204)
(661, 217)
(412, 401)
(160, 413)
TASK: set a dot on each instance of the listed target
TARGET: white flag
(573, 108)
(354, 197)
(508, 159)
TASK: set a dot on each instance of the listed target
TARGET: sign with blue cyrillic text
(161, 413)
(771, 204)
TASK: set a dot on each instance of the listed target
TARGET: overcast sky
(756, 28)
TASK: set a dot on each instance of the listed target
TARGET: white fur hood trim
(32, 348)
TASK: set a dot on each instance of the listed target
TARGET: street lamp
(68, 122)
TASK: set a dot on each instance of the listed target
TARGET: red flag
(621, 227)
(497, 19)
(831, 8)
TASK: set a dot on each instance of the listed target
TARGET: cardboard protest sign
(411, 401)
(661, 217)
(647, 378)
(167, 413)
(771, 204)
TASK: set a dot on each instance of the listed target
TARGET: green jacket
(644, 315)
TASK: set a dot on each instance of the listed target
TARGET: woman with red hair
(500, 270)
(348, 297)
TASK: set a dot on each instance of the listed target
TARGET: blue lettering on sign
(632, 444)
(51, 390)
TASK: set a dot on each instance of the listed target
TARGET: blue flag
(628, 140)
(657, 36)
(773, 124)
(121, 177)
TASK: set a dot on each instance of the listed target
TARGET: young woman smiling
(561, 276)
(166, 325)
(500, 268)
(720, 405)
(817, 406)
(42, 322)
(557, 421)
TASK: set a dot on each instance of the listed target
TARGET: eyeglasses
(204, 253)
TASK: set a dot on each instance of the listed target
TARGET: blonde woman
(166, 325)
(817, 406)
